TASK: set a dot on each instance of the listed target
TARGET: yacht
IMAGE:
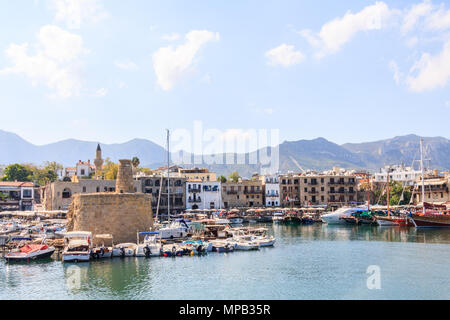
(177, 229)
(77, 246)
(335, 216)
(150, 247)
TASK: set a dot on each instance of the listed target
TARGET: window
(82, 172)
(27, 193)
(66, 193)
(84, 189)
(98, 189)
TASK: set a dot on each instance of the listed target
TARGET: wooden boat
(431, 219)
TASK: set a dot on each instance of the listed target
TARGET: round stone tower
(124, 182)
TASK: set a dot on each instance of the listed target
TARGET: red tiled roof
(16, 184)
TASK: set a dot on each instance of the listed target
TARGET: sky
(112, 70)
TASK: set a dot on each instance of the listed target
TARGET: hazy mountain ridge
(318, 154)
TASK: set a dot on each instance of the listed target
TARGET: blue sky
(110, 70)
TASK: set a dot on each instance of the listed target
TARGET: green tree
(135, 162)
(222, 179)
(234, 176)
(395, 194)
(110, 170)
(17, 172)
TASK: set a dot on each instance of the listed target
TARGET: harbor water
(307, 262)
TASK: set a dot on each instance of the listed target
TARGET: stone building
(16, 196)
(122, 213)
(436, 189)
(290, 189)
(244, 193)
(201, 174)
(59, 194)
(156, 184)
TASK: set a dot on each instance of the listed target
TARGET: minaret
(98, 159)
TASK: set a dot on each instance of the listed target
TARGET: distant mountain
(316, 154)
(68, 152)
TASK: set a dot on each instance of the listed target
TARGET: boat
(198, 246)
(308, 219)
(123, 250)
(78, 246)
(427, 220)
(335, 216)
(29, 251)
(172, 250)
(246, 242)
(235, 219)
(265, 241)
(176, 229)
(103, 251)
(150, 247)
(222, 246)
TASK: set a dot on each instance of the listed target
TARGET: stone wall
(124, 182)
(119, 214)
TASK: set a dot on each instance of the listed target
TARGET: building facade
(290, 189)
(16, 196)
(156, 185)
(333, 190)
(271, 186)
(244, 193)
(436, 190)
(203, 194)
(201, 174)
(406, 175)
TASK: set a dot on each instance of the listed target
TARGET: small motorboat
(29, 251)
(78, 246)
(223, 246)
(124, 250)
(172, 250)
(103, 251)
(264, 241)
(150, 247)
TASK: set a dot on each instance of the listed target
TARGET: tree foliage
(234, 176)
(110, 170)
(222, 179)
(135, 162)
(17, 172)
(395, 194)
(29, 172)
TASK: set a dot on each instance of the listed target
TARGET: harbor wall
(119, 214)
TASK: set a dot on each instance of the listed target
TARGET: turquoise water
(307, 262)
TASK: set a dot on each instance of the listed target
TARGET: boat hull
(43, 254)
(81, 257)
(431, 220)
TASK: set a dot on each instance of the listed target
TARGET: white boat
(77, 246)
(103, 251)
(264, 241)
(236, 220)
(29, 251)
(122, 250)
(335, 216)
(176, 229)
(150, 247)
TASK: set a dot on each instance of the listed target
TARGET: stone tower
(98, 159)
(124, 182)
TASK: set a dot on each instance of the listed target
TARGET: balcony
(197, 200)
(252, 191)
(194, 190)
(232, 192)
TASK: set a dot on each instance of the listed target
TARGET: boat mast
(423, 178)
(168, 177)
(387, 191)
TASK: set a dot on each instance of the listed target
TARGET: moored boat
(78, 246)
(150, 247)
(123, 250)
(431, 219)
(30, 251)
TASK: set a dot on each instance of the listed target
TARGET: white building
(81, 169)
(406, 175)
(272, 191)
(203, 194)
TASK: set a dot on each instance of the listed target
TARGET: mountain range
(316, 154)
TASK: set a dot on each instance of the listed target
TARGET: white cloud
(101, 92)
(413, 15)
(171, 64)
(431, 71)
(397, 74)
(284, 55)
(334, 34)
(126, 65)
(74, 12)
(171, 37)
(56, 62)
(439, 20)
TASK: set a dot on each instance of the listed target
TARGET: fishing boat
(150, 247)
(29, 251)
(78, 246)
(123, 250)
(103, 251)
(427, 220)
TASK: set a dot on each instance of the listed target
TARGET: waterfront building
(271, 187)
(244, 193)
(59, 194)
(17, 196)
(156, 185)
(203, 194)
(401, 173)
(436, 189)
(201, 174)
(290, 189)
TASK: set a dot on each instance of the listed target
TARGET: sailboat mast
(423, 174)
(168, 177)
(387, 191)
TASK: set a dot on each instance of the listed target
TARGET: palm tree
(135, 162)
